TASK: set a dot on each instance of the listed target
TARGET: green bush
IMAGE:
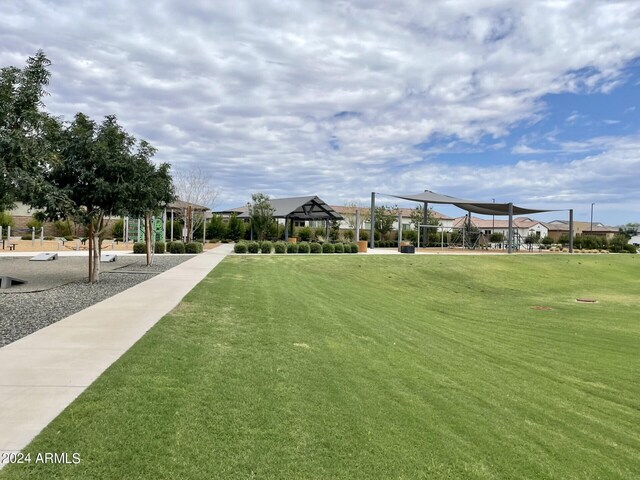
(548, 241)
(338, 248)
(354, 248)
(6, 220)
(160, 247)
(315, 247)
(328, 248)
(235, 228)
(292, 248)
(25, 237)
(240, 247)
(193, 247)
(34, 222)
(364, 235)
(176, 247)
(118, 229)
(617, 243)
(253, 247)
(410, 236)
(49, 238)
(319, 233)
(631, 248)
(266, 247)
(304, 234)
(280, 247)
(304, 247)
(139, 247)
(62, 228)
(496, 237)
(348, 235)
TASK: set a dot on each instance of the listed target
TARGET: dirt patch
(540, 307)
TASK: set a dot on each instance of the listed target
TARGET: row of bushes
(170, 247)
(267, 247)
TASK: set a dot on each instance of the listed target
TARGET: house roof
(295, 208)
(406, 212)
(563, 226)
(484, 208)
(483, 223)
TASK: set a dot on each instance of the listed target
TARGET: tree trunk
(147, 237)
(90, 237)
(96, 257)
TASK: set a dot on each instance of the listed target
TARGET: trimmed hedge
(176, 247)
(303, 247)
(266, 247)
(315, 247)
(160, 247)
(139, 247)
(328, 248)
(354, 248)
(338, 248)
(280, 247)
(292, 248)
(193, 247)
(253, 247)
(240, 248)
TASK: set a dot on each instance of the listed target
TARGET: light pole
(493, 226)
(591, 232)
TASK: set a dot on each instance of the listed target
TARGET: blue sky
(530, 102)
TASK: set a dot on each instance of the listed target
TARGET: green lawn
(374, 367)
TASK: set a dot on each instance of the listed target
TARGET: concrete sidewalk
(41, 374)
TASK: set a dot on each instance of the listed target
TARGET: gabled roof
(296, 208)
(406, 212)
(485, 208)
(484, 223)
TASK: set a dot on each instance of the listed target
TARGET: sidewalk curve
(41, 374)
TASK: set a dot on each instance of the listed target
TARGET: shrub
(240, 247)
(253, 247)
(48, 238)
(266, 247)
(280, 247)
(25, 237)
(304, 234)
(410, 236)
(193, 247)
(548, 241)
(354, 248)
(160, 247)
(338, 248)
(631, 248)
(303, 247)
(176, 247)
(364, 235)
(62, 228)
(6, 220)
(319, 233)
(496, 237)
(617, 243)
(348, 235)
(139, 247)
(235, 228)
(328, 248)
(292, 248)
(34, 222)
(118, 229)
(315, 247)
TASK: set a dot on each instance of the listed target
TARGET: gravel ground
(24, 313)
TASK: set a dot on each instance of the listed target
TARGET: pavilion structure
(295, 209)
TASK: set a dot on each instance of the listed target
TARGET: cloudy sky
(531, 102)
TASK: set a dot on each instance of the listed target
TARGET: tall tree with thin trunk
(195, 186)
(261, 213)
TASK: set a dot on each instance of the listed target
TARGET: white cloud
(251, 89)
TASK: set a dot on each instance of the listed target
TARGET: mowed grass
(373, 367)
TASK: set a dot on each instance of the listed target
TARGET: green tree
(235, 228)
(629, 229)
(25, 133)
(384, 218)
(261, 213)
(216, 229)
(100, 171)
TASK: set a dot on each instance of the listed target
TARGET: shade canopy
(486, 208)
(297, 208)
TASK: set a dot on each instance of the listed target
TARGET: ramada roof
(483, 223)
(406, 212)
